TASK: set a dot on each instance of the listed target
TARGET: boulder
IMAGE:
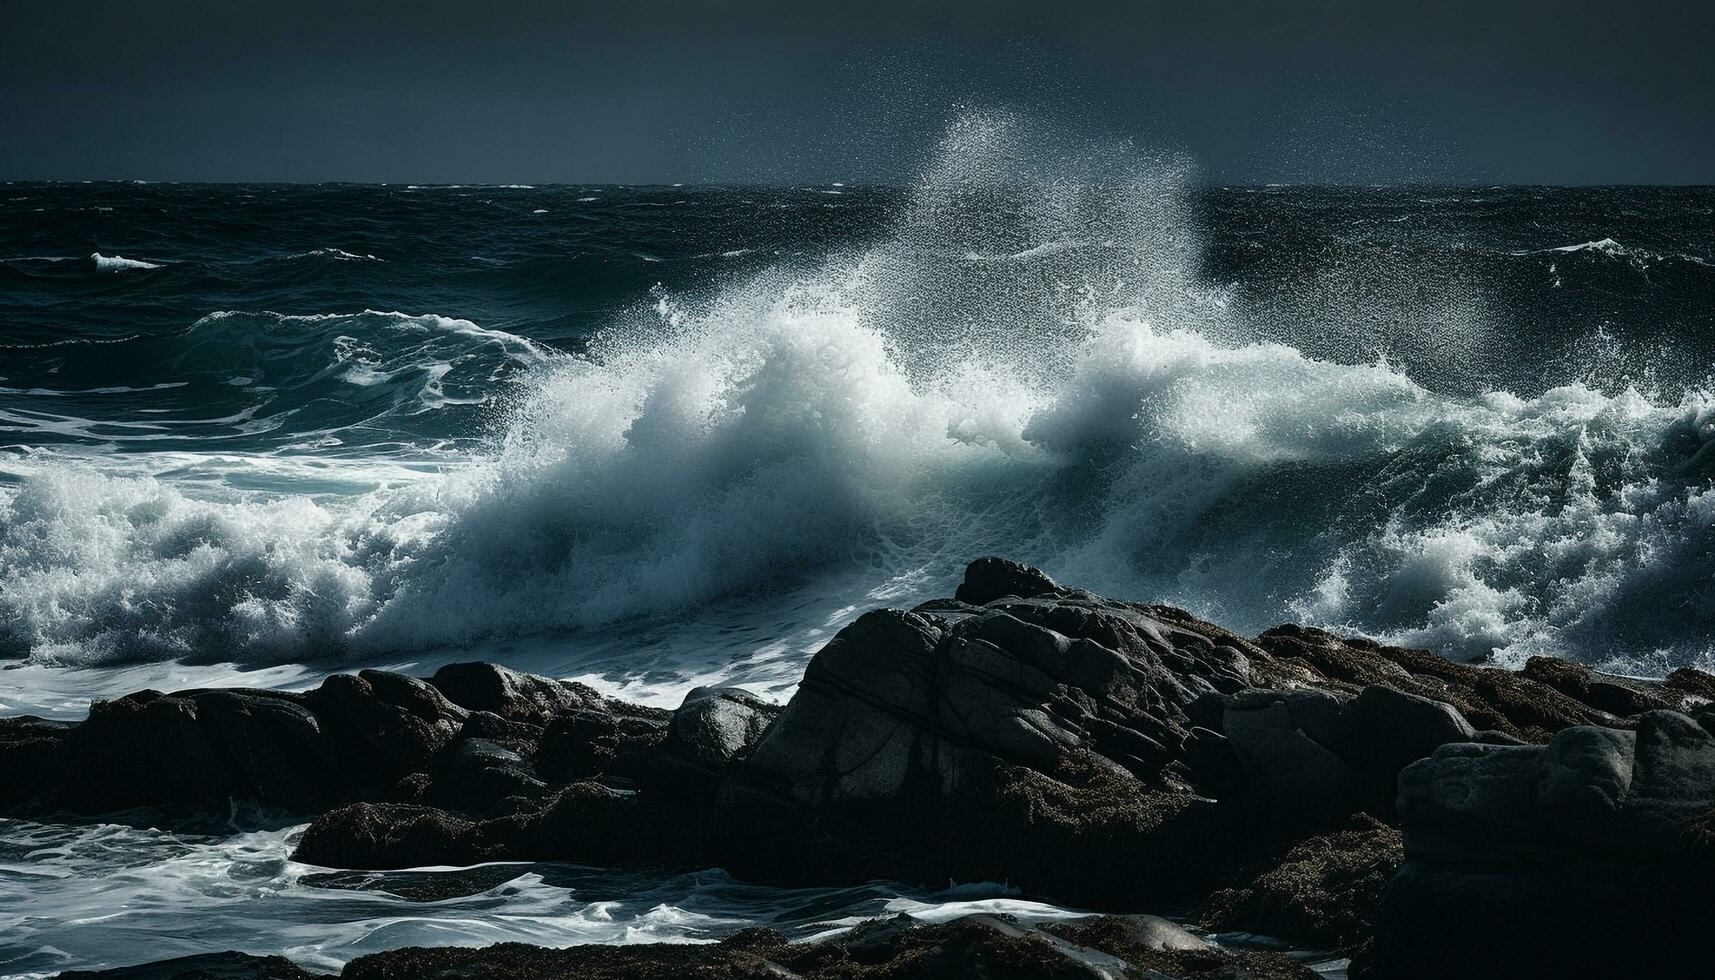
(508, 693)
(928, 747)
(988, 579)
(1313, 755)
(276, 747)
(1585, 856)
(386, 724)
(140, 750)
(1287, 742)
(711, 728)
(1386, 730)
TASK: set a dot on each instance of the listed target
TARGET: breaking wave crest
(1027, 365)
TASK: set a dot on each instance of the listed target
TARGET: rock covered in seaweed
(995, 947)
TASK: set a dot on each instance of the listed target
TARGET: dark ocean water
(319, 424)
(654, 437)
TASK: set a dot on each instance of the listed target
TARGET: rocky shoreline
(1425, 817)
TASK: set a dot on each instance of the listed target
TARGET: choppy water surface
(664, 436)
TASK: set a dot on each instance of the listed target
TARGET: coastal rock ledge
(1425, 817)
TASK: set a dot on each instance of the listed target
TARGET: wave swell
(1026, 365)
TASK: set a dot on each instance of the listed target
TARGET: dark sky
(1561, 91)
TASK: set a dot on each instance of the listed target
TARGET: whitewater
(1025, 363)
(657, 438)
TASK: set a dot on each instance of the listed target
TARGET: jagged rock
(988, 579)
(1581, 857)
(711, 728)
(1323, 891)
(1492, 699)
(512, 695)
(1286, 740)
(1310, 754)
(913, 732)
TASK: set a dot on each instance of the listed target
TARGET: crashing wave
(1094, 411)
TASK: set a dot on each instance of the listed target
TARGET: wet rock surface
(997, 947)
(1088, 751)
(1589, 855)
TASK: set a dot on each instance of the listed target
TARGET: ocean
(658, 437)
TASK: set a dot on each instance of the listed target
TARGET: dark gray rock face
(710, 729)
(512, 695)
(373, 735)
(988, 579)
(1591, 855)
(1312, 755)
(913, 733)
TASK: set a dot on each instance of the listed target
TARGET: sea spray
(1032, 355)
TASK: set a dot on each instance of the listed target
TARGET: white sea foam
(119, 263)
(337, 254)
(80, 896)
(874, 423)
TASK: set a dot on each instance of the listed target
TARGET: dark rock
(479, 773)
(1498, 700)
(1609, 694)
(141, 750)
(508, 693)
(1585, 856)
(33, 750)
(388, 724)
(1285, 740)
(383, 836)
(203, 966)
(1324, 891)
(1034, 741)
(612, 740)
(711, 728)
(988, 579)
(276, 748)
(987, 946)
(1386, 730)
